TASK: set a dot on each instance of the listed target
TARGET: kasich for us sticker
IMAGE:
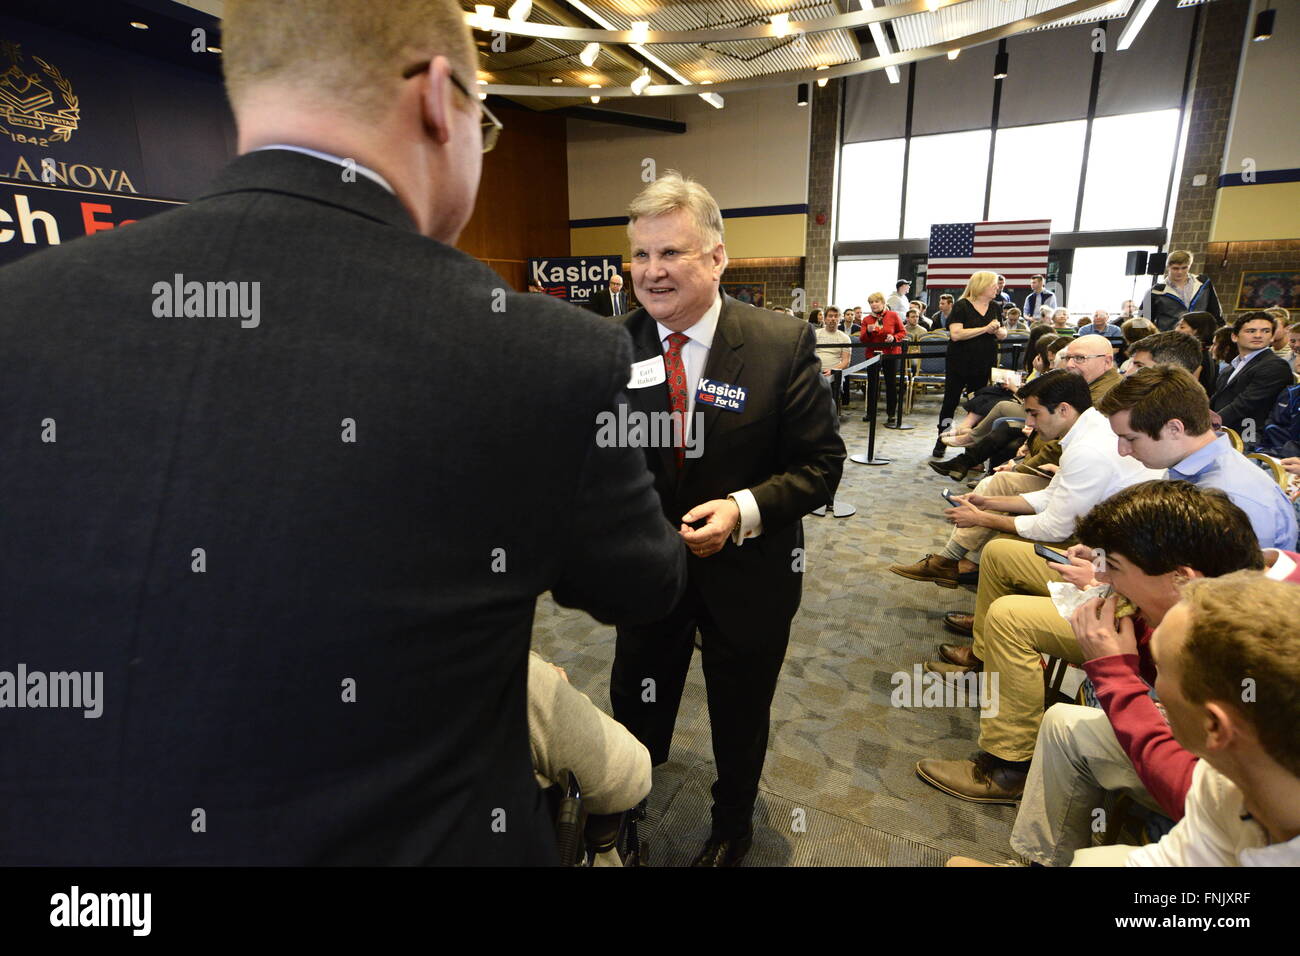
(729, 398)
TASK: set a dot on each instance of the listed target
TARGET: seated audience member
(1130, 331)
(837, 342)
(1014, 320)
(1293, 339)
(1090, 356)
(939, 317)
(1061, 320)
(1162, 418)
(1100, 324)
(566, 731)
(1154, 536)
(1203, 326)
(1247, 390)
(1281, 438)
(1281, 338)
(1045, 313)
(1179, 292)
(1085, 322)
(815, 319)
(921, 318)
(1243, 808)
(912, 325)
(1223, 351)
(1059, 407)
(1165, 348)
(1127, 311)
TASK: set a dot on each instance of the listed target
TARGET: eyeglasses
(1081, 358)
(489, 125)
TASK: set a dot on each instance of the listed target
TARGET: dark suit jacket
(1252, 394)
(405, 565)
(784, 447)
(601, 305)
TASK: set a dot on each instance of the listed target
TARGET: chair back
(934, 349)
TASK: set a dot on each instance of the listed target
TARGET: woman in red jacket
(884, 326)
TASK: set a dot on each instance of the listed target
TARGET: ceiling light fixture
(139, 25)
(640, 30)
(640, 83)
(520, 10)
(1133, 25)
(933, 5)
(214, 49)
(485, 12)
(801, 95)
(1001, 65)
(953, 54)
(713, 99)
(594, 86)
(556, 79)
(882, 44)
(780, 24)
(823, 80)
(1264, 25)
(589, 54)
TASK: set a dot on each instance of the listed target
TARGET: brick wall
(780, 275)
(824, 143)
(1217, 63)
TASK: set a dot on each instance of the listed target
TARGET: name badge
(730, 398)
(647, 373)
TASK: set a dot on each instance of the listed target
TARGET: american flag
(1015, 249)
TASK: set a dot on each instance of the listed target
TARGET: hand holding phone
(947, 496)
(1048, 554)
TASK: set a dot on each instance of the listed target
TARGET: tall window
(855, 279)
(871, 189)
(1128, 170)
(1036, 173)
(945, 180)
(1098, 280)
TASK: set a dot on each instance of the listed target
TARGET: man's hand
(974, 498)
(1005, 466)
(1080, 571)
(1291, 466)
(965, 515)
(1096, 631)
(723, 513)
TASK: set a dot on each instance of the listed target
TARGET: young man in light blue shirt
(1161, 417)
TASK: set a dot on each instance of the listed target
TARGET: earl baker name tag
(729, 398)
(647, 373)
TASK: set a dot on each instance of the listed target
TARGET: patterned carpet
(838, 786)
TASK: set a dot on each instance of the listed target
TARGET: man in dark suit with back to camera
(609, 301)
(762, 450)
(285, 536)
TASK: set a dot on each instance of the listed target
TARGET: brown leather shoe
(959, 623)
(982, 780)
(963, 655)
(942, 571)
(947, 667)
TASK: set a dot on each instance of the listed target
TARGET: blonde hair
(1179, 257)
(672, 192)
(978, 282)
(875, 297)
(347, 54)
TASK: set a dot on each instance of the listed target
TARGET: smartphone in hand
(947, 496)
(1048, 554)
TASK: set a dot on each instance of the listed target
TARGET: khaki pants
(1015, 621)
(1007, 409)
(999, 483)
(1076, 762)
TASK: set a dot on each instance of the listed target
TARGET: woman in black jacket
(974, 330)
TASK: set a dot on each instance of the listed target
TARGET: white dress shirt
(1091, 470)
(1215, 831)
(695, 355)
(336, 160)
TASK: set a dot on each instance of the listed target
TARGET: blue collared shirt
(1219, 465)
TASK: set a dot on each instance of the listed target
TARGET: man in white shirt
(898, 301)
(830, 334)
(1228, 662)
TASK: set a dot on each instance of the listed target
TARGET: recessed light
(214, 49)
(556, 79)
(139, 25)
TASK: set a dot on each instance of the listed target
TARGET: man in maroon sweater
(1153, 536)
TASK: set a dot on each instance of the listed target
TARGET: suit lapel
(646, 345)
(724, 365)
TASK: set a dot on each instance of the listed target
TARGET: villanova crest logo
(35, 102)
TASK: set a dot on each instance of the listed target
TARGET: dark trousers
(956, 381)
(890, 370)
(740, 673)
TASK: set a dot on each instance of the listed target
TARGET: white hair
(671, 192)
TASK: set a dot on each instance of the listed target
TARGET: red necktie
(675, 372)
